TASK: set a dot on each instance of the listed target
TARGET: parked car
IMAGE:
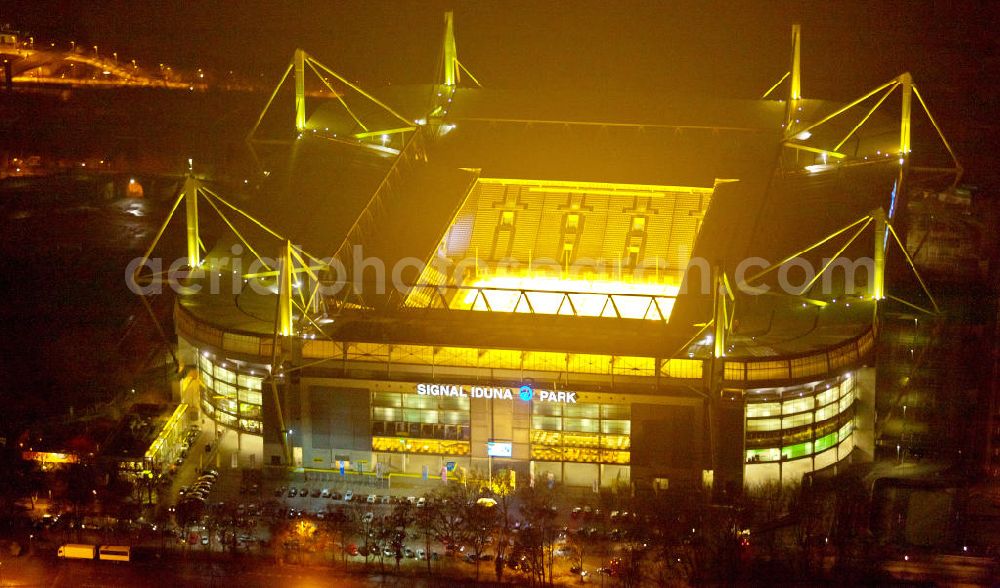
(371, 499)
(292, 492)
(325, 493)
(349, 495)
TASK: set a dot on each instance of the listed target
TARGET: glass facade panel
(380, 413)
(586, 411)
(547, 409)
(391, 399)
(231, 395)
(827, 411)
(250, 382)
(454, 417)
(616, 411)
(588, 425)
(225, 375)
(826, 442)
(421, 446)
(827, 396)
(846, 400)
(546, 423)
(847, 384)
(763, 424)
(801, 404)
(798, 420)
(758, 455)
(581, 433)
(416, 401)
(797, 450)
(827, 404)
(616, 427)
(454, 403)
(420, 417)
(763, 409)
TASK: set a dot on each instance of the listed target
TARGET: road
(243, 572)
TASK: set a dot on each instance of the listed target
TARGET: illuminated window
(507, 219)
(826, 442)
(798, 420)
(510, 197)
(567, 252)
(846, 401)
(632, 256)
(638, 224)
(764, 409)
(795, 451)
(763, 424)
(827, 396)
(826, 412)
(797, 405)
(571, 223)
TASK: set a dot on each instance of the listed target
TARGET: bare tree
(502, 488)
(450, 515)
(479, 521)
(538, 534)
(399, 521)
(425, 520)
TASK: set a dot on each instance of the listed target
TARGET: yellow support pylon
(191, 186)
(286, 328)
(300, 90)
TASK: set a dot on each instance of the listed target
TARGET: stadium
(592, 290)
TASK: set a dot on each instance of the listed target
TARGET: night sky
(734, 49)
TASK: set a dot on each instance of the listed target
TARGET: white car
(371, 499)
(325, 493)
(349, 495)
(421, 502)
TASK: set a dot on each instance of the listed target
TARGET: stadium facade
(555, 285)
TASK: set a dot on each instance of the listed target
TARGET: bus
(114, 553)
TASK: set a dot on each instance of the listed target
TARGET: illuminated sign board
(524, 393)
(499, 449)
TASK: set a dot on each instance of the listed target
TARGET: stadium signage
(524, 393)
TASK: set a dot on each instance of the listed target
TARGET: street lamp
(96, 54)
